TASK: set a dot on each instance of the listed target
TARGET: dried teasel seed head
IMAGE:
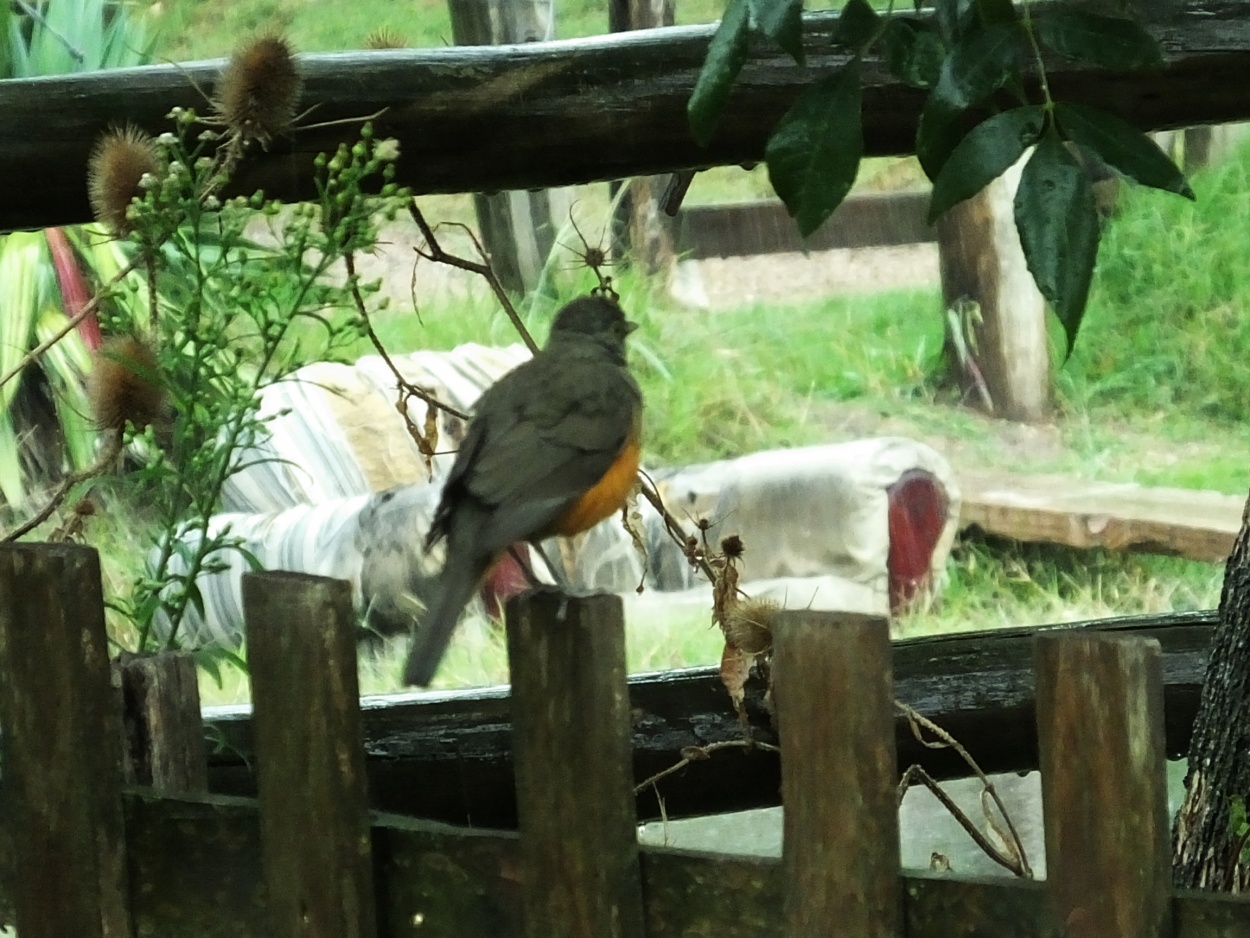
(120, 160)
(259, 91)
(749, 625)
(385, 38)
(732, 547)
(124, 386)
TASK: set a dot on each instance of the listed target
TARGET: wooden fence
(86, 856)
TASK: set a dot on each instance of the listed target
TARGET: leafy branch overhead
(989, 105)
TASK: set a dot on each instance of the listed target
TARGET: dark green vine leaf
(1105, 41)
(984, 155)
(996, 11)
(1058, 226)
(976, 68)
(951, 15)
(913, 53)
(857, 23)
(725, 57)
(814, 153)
(782, 22)
(1122, 146)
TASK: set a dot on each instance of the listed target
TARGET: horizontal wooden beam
(558, 113)
(195, 871)
(448, 756)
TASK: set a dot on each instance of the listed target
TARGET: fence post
(834, 697)
(1104, 784)
(164, 734)
(61, 745)
(572, 737)
(310, 768)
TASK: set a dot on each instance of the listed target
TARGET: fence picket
(574, 774)
(1104, 784)
(61, 724)
(315, 832)
(834, 696)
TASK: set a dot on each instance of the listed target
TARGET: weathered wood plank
(447, 756)
(197, 875)
(164, 734)
(310, 760)
(60, 719)
(575, 788)
(1115, 516)
(834, 695)
(871, 219)
(570, 112)
(1104, 784)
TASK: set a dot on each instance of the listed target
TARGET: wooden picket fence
(86, 855)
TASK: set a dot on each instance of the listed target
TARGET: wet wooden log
(551, 114)
(310, 761)
(1104, 785)
(834, 694)
(59, 716)
(579, 871)
(447, 756)
(164, 732)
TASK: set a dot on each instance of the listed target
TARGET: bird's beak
(630, 326)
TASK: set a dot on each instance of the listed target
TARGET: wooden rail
(559, 113)
(213, 865)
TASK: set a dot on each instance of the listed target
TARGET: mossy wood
(550, 114)
(448, 757)
(310, 759)
(196, 874)
(65, 850)
(578, 856)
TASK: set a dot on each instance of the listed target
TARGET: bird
(551, 450)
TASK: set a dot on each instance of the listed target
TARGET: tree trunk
(1206, 854)
(516, 226)
(996, 328)
(641, 233)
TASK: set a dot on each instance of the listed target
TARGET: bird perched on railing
(552, 449)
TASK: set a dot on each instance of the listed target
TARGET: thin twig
(406, 386)
(92, 305)
(673, 527)
(434, 252)
(917, 774)
(917, 722)
(108, 456)
(692, 754)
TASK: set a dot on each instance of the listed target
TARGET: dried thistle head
(124, 385)
(259, 91)
(120, 160)
(749, 625)
(732, 547)
(385, 38)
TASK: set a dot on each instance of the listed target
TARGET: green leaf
(1058, 226)
(995, 11)
(913, 53)
(857, 23)
(984, 155)
(1122, 146)
(1105, 41)
(782, 22)
(978, 66)
(975, 69)
(725, 57)
(952, 17)
(814, 153)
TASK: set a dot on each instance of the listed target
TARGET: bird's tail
(455, 588)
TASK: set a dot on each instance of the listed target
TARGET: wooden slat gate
(85, 857)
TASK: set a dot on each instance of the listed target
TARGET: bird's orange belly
(604, 499)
